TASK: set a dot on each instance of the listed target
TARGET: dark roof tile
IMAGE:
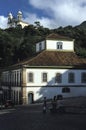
(55, 58)
(55, 36)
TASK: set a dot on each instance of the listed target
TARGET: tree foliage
(17, 44)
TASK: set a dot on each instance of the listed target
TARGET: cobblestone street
(32, 118)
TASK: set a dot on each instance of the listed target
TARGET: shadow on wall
(53, 89)
(66, 89)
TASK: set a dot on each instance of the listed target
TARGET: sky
(50, 13)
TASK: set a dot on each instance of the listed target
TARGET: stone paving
(30, 117)
(75, 105)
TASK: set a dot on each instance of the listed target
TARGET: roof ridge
(58, 36)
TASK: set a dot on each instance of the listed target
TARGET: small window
(59, 45)
(20, 78)
(58, 78)
(83, 77)
(44, 77)
(17, 78)
(65, 90)
(40, 47)
(71, 77)
(30, 77)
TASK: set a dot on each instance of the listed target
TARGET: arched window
(59, 45)
(71, 77)
(58, 78)
(40, 46)
(30, 77)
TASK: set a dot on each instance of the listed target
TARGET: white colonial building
(14, 22)
(54, 70)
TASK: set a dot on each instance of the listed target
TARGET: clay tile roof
(58, 37)
(55, 58)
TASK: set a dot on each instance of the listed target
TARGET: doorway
(30, 98)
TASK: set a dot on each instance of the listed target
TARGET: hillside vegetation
(17, 44)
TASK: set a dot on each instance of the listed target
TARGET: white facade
(12, 80)
(23, 24)
(52, 45)
(14, 22)
(33, 82)
(66, 46)
(51, 73)
(40, 46)
(49, 92)
(50, 88)
(40, 89)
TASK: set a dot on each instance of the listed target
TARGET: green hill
(17, 44)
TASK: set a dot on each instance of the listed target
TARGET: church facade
(54, 70)
(14, 22)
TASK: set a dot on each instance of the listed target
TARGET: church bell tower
(19, 16)
(10, 20)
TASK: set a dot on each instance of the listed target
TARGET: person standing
(44, 105)
(54, 104)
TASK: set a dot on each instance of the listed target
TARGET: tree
(37, 23)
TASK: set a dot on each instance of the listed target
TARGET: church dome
(10, 14)
(19, 12)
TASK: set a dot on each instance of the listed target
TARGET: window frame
(59, 45)
(71, 77)
(40, 46)
(83, 77)
(66, 90)
(30, 77)
(44, 77)
(58, 78)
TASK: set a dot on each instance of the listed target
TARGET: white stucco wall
(49, 92)
(23, 24)
(42, 46)
(52, 44)
(51, 76)
(50, 89)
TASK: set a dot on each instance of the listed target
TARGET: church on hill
(54, 70)
(14, 22)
